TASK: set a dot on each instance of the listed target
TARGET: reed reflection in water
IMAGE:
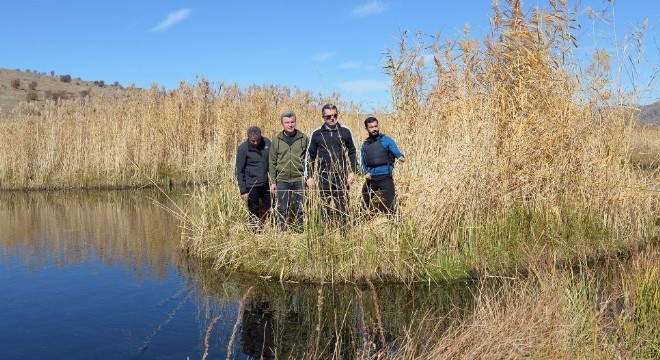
(117, 227)
(101, 275)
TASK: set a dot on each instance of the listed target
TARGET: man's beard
(374, 133)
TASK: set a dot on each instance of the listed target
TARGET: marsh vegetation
(524, 163)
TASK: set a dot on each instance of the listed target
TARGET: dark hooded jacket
(252, 165)
(326, 151)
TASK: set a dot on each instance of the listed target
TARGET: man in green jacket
(286, 169)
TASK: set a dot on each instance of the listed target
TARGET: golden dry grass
(186, 135)
(515, 157)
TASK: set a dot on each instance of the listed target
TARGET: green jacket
(287, 163)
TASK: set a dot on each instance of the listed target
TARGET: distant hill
(17, 86)
(650, 114)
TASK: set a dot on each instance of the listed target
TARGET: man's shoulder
(345, 128)
(316, 132)
(346, 132)
(386, 139)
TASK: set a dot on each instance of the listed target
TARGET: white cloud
(323, 56)
(350, 65)
(370, 8)
(172, 19)
(364, 86)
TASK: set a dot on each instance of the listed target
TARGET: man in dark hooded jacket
(332, 158)
(252, 174)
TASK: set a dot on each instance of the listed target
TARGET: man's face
(255, 141)
(330, 117)
(372, 128)
(289, 124)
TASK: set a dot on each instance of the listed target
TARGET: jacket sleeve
(240, 169)
(312, 149)
(391, 146)
(272, 162)
(352, 151)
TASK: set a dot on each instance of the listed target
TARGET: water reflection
(126, 228)
(100, 274)
(285, 320)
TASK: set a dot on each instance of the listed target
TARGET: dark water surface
(100, 275)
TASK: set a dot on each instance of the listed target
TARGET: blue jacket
(389, 145)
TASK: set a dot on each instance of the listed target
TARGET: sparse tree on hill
(15, 83)
(32, 85)
(65, 78)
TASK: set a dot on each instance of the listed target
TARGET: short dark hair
(328, 107)
(369, 120)
(254, 131)
(287, 114)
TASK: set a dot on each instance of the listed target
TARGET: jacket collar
(326, 128)
(297, 136)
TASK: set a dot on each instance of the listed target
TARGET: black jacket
(326, 151)
(252, 165)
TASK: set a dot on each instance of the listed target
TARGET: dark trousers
(257, 197)
(290, 191)
(334, 193)
(385, 184)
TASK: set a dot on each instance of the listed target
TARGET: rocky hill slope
(17, 86)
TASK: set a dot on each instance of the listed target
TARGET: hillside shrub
(65, 78)
(15, 83)
(56, 95)
(31, 95)
(32, 85)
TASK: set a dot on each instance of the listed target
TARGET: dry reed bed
(514, 158)
(559, 315)
(187, 135)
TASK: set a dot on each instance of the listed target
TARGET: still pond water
(100, 275)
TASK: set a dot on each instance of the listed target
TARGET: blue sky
(324, 46)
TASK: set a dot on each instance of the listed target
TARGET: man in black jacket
(331, 156)
(252, 174)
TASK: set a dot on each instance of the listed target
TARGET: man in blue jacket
(378, 154)
(252, 174)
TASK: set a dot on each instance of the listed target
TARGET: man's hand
(273, 188)
(310, 183)
(402, 159)
(367, 176)
(244, 197)
(351, 178)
